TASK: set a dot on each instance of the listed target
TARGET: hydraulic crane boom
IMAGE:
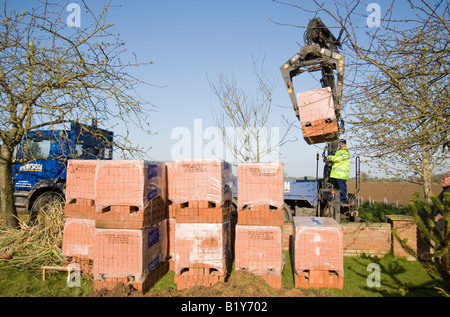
(319, 54)
(319, 111)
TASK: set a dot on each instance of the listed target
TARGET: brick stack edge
(200, 206)
(258, 236)
(318, 253)
(317, 115)
(115, 221)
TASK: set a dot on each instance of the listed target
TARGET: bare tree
(396, 91)
(52, 74)
(244, 119)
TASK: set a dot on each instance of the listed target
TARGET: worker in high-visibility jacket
(340, 169)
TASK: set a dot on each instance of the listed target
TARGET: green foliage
(438, 263)
(377, 212)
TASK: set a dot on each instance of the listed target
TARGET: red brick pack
(318, 252)
(130, 194)
(78, 242)
(260, 184)
(317, 115)
(125, 253)
(201, 180)
(259, 250)
(80, 189)
(202, 243)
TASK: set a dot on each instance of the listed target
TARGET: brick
(261, 215)
(258, 249)
(130, 194)
(368, 238)
(318, 249)
(201, 180)
(80, 189)
(202, 212)
(125, 253)
(129, 182)
(199, 275)
(318, 278)
(80, 208)
(78, 238)
(202, 244)
(131, 217)
(144, 285)
(260, 184)
(317, 115)
(80, 179)
(406, 228)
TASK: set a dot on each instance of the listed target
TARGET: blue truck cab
(39, 173)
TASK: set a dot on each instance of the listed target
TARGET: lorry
(40, 167)
(321, 53)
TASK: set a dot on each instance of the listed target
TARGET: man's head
(445, 181)
(342, 143)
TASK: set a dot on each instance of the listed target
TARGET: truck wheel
(46, 203)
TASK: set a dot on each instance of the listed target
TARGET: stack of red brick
(200, 206)
(115, 212)
(317, 115)
(318, 253)
(258, 242)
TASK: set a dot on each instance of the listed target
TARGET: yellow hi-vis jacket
(341, 163)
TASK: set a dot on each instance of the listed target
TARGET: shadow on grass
(397, 276)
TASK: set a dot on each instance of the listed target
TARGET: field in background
(392, 192)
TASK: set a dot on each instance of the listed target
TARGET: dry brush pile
(34, 245)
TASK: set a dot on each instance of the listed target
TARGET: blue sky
(189, 41)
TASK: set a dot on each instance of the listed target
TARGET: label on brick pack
(193, 167)
(263, 170)
(85, 169)
(154, 192)
(153, 237)
(256, 235)
(117, 239)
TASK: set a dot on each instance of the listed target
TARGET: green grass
(399, 277)
(18, 282)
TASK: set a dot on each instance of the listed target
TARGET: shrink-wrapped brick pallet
(130, 194)
(260, 184)
(202, 253)
(260, 194)
(317, 116)
(131, 256)
(78, 242)
(201, 180)
(80, 189)
(201, 191)
(318, 253)
(258, 249)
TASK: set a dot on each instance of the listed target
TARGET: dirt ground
(393, 192)
(240, 284)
